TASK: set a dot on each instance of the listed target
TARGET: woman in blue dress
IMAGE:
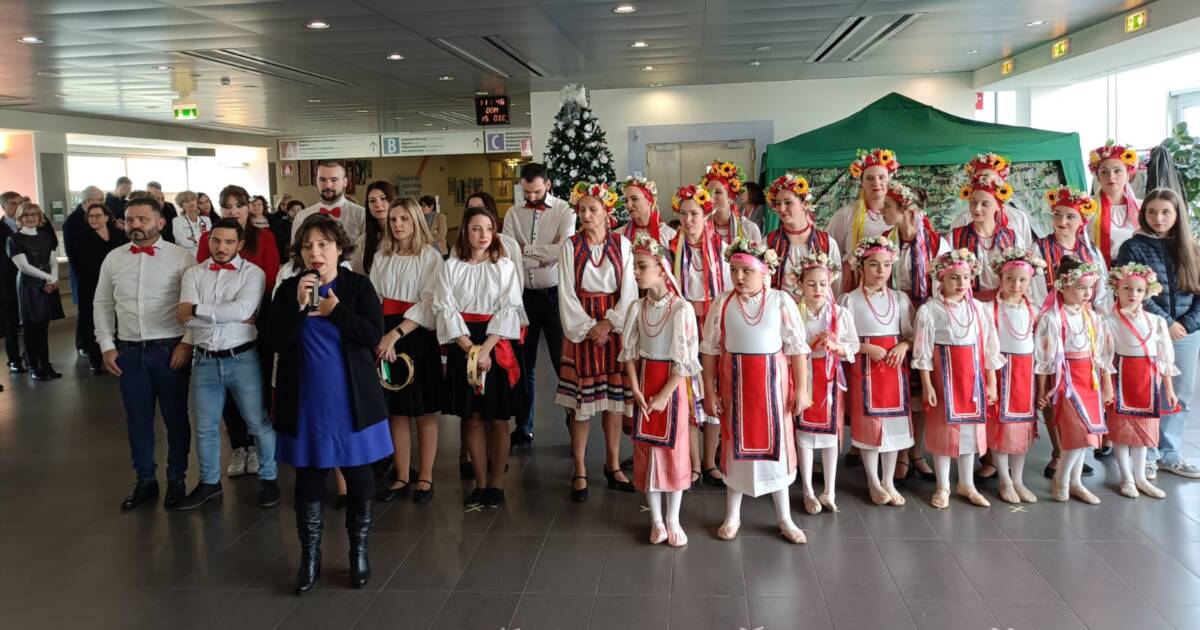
(330, 410)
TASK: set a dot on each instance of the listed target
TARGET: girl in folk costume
(957, 353)
(1140, 353)
(797, 235)
(863, 218)
(702, 273)
(723, 180)
(404, 271)
(753, 346)
(831, 336)
(880, 422)
(1070, 212)
(1072, 387)
(478, 307)
(998, 167)
(641, 201)
(596, 285)
(988, 234)
(1012, 421)
(661, 353)
(1114, 165)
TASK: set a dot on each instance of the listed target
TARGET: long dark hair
(1179, 239)
(374, 233)
(754, 194)
(489, 202)
(462, 247)
(240, 194)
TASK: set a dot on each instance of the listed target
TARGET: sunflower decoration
(1080, 201)
(875, 157)
(1112, 151)
(796, 184)
(729, 174)
(700, 195)
(982, 162)
(999, 189)
(955, 258)
(1117, 275)
(600, 191)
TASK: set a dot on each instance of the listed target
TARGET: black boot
(358, 527)
(310, 522)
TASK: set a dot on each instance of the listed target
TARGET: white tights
(783, 507)
(828, 466)
(966, 471)
(1071, 473)
(1011, 467)
(880, 479)
(1132, 462)
(674, 500)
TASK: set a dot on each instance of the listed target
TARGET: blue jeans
(146, 378)
(541, 306)
(1187, 356)
(240, 376)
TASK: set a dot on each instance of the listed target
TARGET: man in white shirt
(331, 182)
(144, 345)
(217, 302)
(541, 225)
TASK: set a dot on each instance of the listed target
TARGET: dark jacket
(1172, 304)
(8, 270)
(90, 252)
(116, 206)
(359, 318)
(168, 214)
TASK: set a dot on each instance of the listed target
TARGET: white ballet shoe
(811, 504)
(1026, 495)
(898, 499)
(792, 534)
(1079, 491)
(729, 530)
(1060, 494)
(880, 496)
(1128, 489)
(1008, 493)
(658, 533)
(675, 535)
(973, 495)
(829, 502)
(941, 498)
(1150, 489)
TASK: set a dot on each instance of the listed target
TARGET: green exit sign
(1137, 21)
(186, 112)
(1060, 48)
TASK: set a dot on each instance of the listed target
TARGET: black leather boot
(358, 527)
(310, 522)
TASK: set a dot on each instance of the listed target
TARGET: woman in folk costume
(1072, 385)
(1140, 353)
(660, 350)
(832, 338)
(797, 235)
(863, 217)
(918, 243)
(753, 347)
(1012, 421)
(723, 180)
(988, 234)
(641, 201)
(596, 286)
(997, 166)
(700, 268)
(880, 422)
(1114, 165)
(957, 354)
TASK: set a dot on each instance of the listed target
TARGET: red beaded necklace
(649, 326)
(890, 312)
(762, 309)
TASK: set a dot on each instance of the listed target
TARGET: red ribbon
(147, 250)
(503, 352)
(334, 212)
(226, 266)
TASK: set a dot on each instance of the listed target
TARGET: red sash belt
(396, 307)
(503, 352)
(655, 428)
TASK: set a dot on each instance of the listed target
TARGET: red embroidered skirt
(1079, 417)
(1133, 418)
(590, 379)
(961, 401)
(1012, 421)
(755, 390)
(660, 439)
(877, 391)
(825, 414)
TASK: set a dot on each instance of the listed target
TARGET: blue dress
(325, 435)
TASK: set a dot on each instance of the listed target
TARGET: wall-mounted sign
(439, 143)
(491, 110)
(1006, 67)
(1137, 21)
(508, 141)
(1060, 48)
(329, 147)
(186, 111)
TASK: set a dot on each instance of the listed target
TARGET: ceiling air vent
(852, 41)
(514, 54)
(8, 101)
(469, 57)
(457, 118)
(262, 66)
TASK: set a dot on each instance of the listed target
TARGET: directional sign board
(440, 143)
(508, 141)
(329, 147)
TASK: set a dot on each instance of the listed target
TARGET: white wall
(793, 106)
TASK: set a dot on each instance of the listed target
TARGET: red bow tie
(336, 212)
(148, 250)
(226, 266)
(536, 205)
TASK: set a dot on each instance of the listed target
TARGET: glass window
(94, 170)
(170, 172)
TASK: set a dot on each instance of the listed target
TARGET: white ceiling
(99, 56)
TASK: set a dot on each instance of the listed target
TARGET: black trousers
(37, 345)
(310, 483)
(12, 322)
(85, 332)
(541, 306)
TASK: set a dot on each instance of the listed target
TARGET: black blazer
(359, 317)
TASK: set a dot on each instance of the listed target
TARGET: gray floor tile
(925, 570)
(770, 613)
(1107, 616)
(435, 563)
(472, 611)
(1160, 520)
(1097, 523)
(1181, 617)
(569, 564)
(323, 609)
(1153, 574)
(1031, 522)
(1076, 574)
(255, 609)
(631, 612)
(186, 609)
(637, 567)
(1021, 616)
(402, 610)
(950, 615)
(501, 564)
(592, 517)
(773, 568)
(908, 521)
(1187, 554)
(709, 567)
(967, 524)
(708, 613)
(850, 569)
(851, 614)
(1000, 572)
(552, 611)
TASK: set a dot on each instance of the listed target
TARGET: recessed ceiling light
(60, 95)
(647, 68)
(973, 51)
(754, 64)
(314, 100)
(762, 48)
(481, 93)
(250, 85)
(445, 77)
(395, 57)
(47, 73)
(1035, 23)
(397, 118)
(29, 39)
(428, 124)
(931, 72)
(526, 113)
(624, 8)
(317, 24)
(444, 128)
(363, 111)
(639, 44)
(656, 85)
(163, 68)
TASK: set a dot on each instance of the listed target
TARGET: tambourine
(474, 377)
(384, 369)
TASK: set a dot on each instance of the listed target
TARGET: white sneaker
(237, 463)
(1183, 469)
(251, 461)
(1151, 471)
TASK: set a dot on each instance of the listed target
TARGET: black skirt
(499, 401)
(35, 305)
(423, 395)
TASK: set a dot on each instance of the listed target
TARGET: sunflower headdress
(1113, 151)
(1080, 201)
(600, 191)
(696, 193)
(987, 162)
(875, 157)
(999, 189)
(729, 174)
(796, 184)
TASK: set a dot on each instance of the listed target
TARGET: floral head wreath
(1113, 151)
(1078, 200)
(648, 186)
(987, 162)
(756, 249)
(871, 245)
(600, 191)
(696, 193)
(796, 184)
(955, 258)
(1073, 276)
(646, 244)
(729, 174)
(999, 189)
(903, 196)
(1117, 275)
(817, 259)
(1021, 257)
(875, 157)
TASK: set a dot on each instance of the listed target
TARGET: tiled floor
(70, 559)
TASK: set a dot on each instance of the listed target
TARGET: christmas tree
(578, 150)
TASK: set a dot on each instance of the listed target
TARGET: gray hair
(154, 185)
(91, 192)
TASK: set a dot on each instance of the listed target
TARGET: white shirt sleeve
(575, 321)
(685, 351)
(924, 330)
(22, 263)
(628, 288)
(450, 324)
(794, 333)
(103, 307)
(847, 334)
(710, 342)
(245, 302)
(1047, 334)
(992, 358)
(506, 320)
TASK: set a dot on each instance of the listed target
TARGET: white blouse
(1102, 297)
(817, 322)
(188, 234)
(750, 231)
(665, 232)
(696, 276)
(778, 325)
(902, 269)
(1049, 338)
(988, 278)
(653, 332)
(600, 278)
(791, 268)
(842, 222)
(486, 288)
(888, 314)
(1014, 325)
(1154, 332)
(409, 279)
(942, 323)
